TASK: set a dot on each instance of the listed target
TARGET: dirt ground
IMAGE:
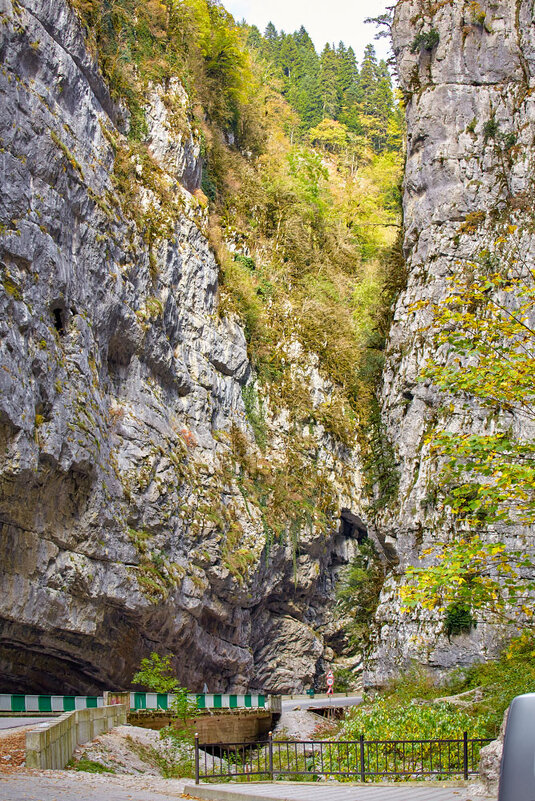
(12, 745)
(61, 785)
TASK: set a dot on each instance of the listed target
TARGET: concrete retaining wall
(51, 745)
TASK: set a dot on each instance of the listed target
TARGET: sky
(326, 21)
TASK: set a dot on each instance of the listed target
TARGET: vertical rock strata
(123, 527)
(467, 70)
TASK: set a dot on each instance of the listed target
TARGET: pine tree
(272, 42)
(348, 87)
(271, 34)
(289, 61)
(254, 38)
(383, 110)
(300, 66)
(304, 41)
(309, 105)
(331, 95)
(348, 73)
(368, 79)
(376, 103)
(309, 61)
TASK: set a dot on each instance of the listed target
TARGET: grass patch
(67, 153)
(90, 766)
(177, 764)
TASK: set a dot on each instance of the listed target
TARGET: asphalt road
(18, 723)
(51, 786)
(321, 703)
(56, 786)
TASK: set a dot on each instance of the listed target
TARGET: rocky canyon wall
(124, 523)
(467, 72)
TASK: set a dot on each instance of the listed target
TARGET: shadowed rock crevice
(352, 527)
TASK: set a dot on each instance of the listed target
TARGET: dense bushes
(408, 707)
(385, 720)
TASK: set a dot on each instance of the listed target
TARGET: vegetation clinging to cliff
(151, 41)
(308, 200)
(485, 336)
(358, 593)
(303, 211)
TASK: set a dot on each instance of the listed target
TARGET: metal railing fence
(360, 759)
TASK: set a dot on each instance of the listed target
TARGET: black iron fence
(361, 759)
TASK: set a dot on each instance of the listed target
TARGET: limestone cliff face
(461, 65)
(123, 524)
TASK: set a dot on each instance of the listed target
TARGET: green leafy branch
(485, 337)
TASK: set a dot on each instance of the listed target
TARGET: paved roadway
(18, 723)
(315, 703)
(281, 791)
(49, 786)
(56, 786)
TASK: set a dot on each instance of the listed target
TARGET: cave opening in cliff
(58, 316)
(352, 527)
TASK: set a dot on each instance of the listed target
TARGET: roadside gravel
(298, 723)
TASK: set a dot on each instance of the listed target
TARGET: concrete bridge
(222, 717)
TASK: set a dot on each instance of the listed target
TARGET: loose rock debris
(12, 749)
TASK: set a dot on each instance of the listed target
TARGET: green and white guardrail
(48, 703)
(68, 703)
(203, 700)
